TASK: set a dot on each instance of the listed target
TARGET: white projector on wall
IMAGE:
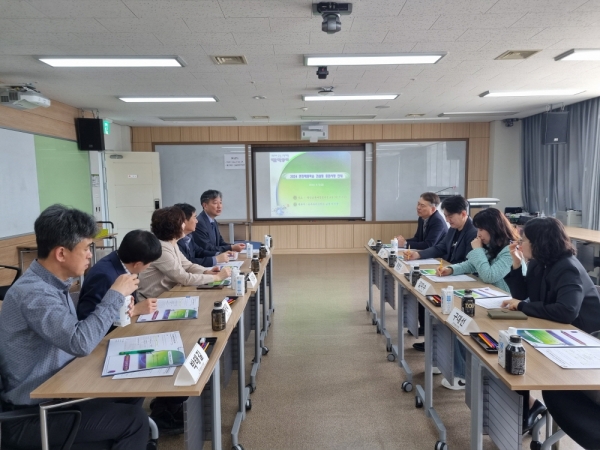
(313, 133)
(22, 97)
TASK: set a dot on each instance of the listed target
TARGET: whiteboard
(186, 171)
(19, 195)
(404, 170)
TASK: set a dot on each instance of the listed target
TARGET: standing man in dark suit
(207, 235)
(454, 247)
(431, 228)
(137, 250)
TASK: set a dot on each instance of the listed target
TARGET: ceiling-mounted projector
(314, 132)
(22, 97)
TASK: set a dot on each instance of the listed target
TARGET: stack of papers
(487, 298)
(450, 278)
(176, 308)
(556, 338)
(141, 353)
(573, 358)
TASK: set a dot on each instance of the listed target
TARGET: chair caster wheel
(439, 445)
(374, 322)
(265, 350)
(367, 308)
(391, 357)
(237, 447)
(252, 388)
(152, 444)
(248, 405)
(407, 387)
(388, 348)
(418, 402)
(378, 330)
(535, 445)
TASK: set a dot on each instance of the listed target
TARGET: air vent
(415, 115)
(197, 119)
(517, 54)
(231, 60)
(260, 117)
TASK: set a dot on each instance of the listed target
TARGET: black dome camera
(322, 72)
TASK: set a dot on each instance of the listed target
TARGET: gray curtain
(564, 176)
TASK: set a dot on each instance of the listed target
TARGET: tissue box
(503, 340)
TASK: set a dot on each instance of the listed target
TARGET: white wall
(119, 139)
(505, 170)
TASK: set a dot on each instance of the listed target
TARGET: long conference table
(81, 379)
(491, 393)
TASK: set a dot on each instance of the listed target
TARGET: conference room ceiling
(274, 35)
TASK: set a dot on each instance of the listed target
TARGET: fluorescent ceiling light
(579, 54)
(198, 119)
(210, 98)
(480, 113)
(319, 98)
(113, 61)
(413, 119)
(333, 118)
(532, 93)
(370, 60)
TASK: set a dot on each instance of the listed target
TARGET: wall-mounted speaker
(90, 134)
(555, 127)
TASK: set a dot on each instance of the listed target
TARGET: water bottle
(416, 274)
(218, 317)
(392, 258)
(447, 300)
(515, 356)
(240, 285)
(235, 271)
(395, 244)
(468, 303)
(249, 251)
(124, 318)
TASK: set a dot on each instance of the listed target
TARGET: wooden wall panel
(312, 236)
(141, 134)
(389, 230)
(478, 163)
(141, 146)
(284, 236)
(195, 134)
(363, 232)
(426, 130)
(340, 236)
(224, 134)
(166, 134)
(368, 132)
(58, 120)
(258, 233)
(397, 131)
(341, 132)
(479, 129)
(10, 257)
(454, 130)
(254, 134)
(476, 189)
(283, 133)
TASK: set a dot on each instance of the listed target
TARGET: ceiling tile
(62, 25)
(572, 19)
(135, 25)
(297, 25)
(423, 35)
(191, 38)
(171, 9)
(508, 6)
(396, 47)
(80, 8)
(569, 33)
(392, 23)
(272, 38)
(362, 37)
(244, 50)
(499, 34)
(19, 9)
(252, 8)
(308, 49)
(474, 21)
(221, 25)
(417, 7)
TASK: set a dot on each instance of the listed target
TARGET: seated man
(188, 246)
(40, 334)
(453, 248)
(431, 228)
(137, 250)
(207, 235)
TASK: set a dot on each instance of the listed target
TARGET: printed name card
(192, 368)
(461, 322)
(422, 286)
(252, 280)
(226, 308)
(371, 242)
(383, 253)
(400, 268)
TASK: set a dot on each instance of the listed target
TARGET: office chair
(4, 289)
(34, 411)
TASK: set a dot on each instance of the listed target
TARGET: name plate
(383, 253)
(461, 322)
(371, 242)
(192, 368)
(252, 280)
(400, 268)
(422, 286)
(226, 308)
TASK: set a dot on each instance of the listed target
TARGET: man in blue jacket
(457, 243)
(207, 235)
(188, 246)
(431, 227)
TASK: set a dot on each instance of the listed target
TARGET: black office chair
(4, 289)
(34, 411)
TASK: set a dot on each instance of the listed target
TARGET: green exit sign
(106, 127)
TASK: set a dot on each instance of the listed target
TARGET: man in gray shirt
(40, 334)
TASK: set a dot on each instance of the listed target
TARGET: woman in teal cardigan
(490, 258)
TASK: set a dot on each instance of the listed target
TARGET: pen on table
(136, 352)
(487, 341)
(441, 267)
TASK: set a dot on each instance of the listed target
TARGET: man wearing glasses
(431, 227)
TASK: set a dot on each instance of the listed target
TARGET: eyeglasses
(424, 205)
